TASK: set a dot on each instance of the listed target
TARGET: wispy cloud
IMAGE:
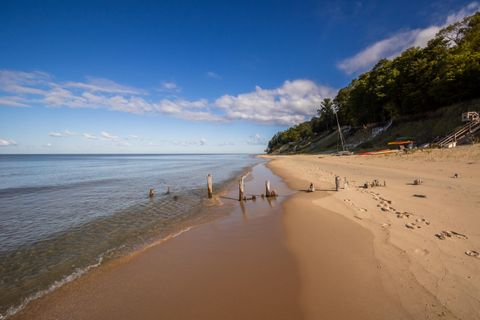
(107, 136)
(66, 133)
(104, 85)
(7, 143)
(392, 46)
(186, 143)
(170, 86)
(115, 140)
(89, 136)
(13, 101)
(213, 75)
(291, 103)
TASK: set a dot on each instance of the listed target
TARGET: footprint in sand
(402, 215)
(423, 220)
(352, 204)
(412, 225)
(442, 235)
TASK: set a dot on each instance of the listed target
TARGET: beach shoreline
(227, 260)
(323, 254)
(204, 211)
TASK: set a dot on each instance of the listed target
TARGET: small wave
(169, 237)
(57, 284)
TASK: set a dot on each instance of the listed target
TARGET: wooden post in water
(241, 189)
(210, 186)
(337, 183)
(267, 189)
(151, 192)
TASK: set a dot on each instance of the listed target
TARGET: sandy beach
(430, 276)
(318, 255)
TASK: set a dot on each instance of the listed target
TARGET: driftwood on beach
(209, 186)
(241, 189)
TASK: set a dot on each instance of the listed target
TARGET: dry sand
(422, 275)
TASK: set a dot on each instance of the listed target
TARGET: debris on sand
(417, 182)
(442, 235)
(472, 253)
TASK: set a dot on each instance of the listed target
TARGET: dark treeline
(419, 80)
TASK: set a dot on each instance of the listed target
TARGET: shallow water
(62, 214)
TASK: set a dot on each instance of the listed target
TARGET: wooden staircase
(471, 127)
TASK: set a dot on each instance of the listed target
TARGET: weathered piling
(337, 183)
(241, 189)
(210, 186)
(267, 189)
(151, 192)
(311, 188)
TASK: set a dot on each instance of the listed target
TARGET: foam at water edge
(57, 284)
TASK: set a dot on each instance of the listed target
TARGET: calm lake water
(61, 215)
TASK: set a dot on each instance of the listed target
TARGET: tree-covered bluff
(415, 86)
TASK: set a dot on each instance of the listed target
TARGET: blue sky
(188, 76)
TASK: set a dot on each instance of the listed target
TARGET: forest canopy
(417, 81)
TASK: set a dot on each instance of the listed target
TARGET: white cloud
(213, 75)
(186, 143)
(179, 105)
(104, 85)
(69, 133)
(108, 136)
(23, 83)
(392, 46)
(90, 136)
(13, 101)
(66, 133)
(7, 143)
(291, 103)
(170, 86)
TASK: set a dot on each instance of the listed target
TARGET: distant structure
(472, 119)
